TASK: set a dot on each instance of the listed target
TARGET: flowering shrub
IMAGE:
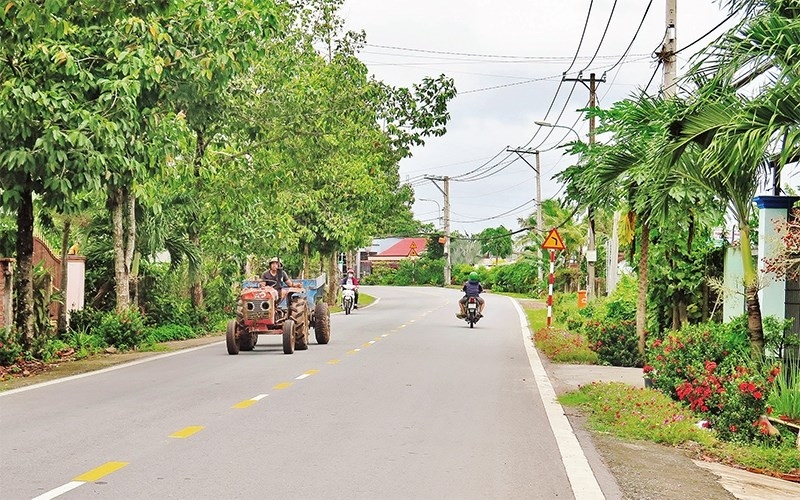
(124, 330)
(9, 347)
(708, 367)
(563, 346)
(615, 342)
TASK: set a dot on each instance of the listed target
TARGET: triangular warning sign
(553, 241)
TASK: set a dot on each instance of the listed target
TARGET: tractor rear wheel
(322, 323)
(230, 338)
(288, 336)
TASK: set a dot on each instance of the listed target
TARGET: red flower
(647, 368)
(732, 428)
(757, 394)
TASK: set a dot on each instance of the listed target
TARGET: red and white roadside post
(550, 287)
(553, 242)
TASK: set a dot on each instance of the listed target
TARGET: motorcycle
(473, 315)
(348, 298)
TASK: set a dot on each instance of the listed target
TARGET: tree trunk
(755, 326)
(196, 289)
(62, 307)
(641, 302)
(683, 312)
(333, 280)
(24, 306)
(306, 261)
(121, 269)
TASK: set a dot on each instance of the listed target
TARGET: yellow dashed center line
(244, 404)
(282, 385)
(103, 470)
(353, 351)
(188, 431)
(334, 362)
(367, 344)
(250, 402)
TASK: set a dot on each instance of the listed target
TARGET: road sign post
(553, 242)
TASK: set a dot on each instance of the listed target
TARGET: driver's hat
(274, 259)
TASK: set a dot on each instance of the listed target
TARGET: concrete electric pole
(668, 50)
(446, 192)
(591, 250)
(539, 223)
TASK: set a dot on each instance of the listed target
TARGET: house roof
(403, 248)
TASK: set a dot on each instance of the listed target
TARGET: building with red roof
(403, 249)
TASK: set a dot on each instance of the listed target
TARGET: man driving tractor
(277, 278)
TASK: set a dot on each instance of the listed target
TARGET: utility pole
(591, 250)
(446, 192)
(668, 50)
(539, 223)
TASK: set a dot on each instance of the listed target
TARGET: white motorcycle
(348, 298)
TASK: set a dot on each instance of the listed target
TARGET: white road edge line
(106, 370)
(301, 377)
(581, 478)
(55, 492)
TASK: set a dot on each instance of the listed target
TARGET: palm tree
(735, 135)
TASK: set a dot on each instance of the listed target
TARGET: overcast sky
(507, 58)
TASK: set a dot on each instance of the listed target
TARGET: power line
(635, 35)
(602, 38)
(487, 56)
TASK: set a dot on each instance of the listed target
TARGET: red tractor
(261, 311)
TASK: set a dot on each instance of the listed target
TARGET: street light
(439, 217)
(555, 125)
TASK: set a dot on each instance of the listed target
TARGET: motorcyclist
(350, 279)
(277, 278)
(471, 288)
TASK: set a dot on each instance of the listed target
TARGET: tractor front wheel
(230, 338)
(322, 323)
(288, 336)
(247, 340)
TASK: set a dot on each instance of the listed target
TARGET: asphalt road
(405, 402)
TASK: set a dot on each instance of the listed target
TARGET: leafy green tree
(496, 242)
(60, 112)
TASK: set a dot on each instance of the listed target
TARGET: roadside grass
(647, 414)
(637, 413)
(562, 346)
(650, 415)
(558, 344)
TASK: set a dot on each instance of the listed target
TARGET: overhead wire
(602, 38)
(488, 168)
